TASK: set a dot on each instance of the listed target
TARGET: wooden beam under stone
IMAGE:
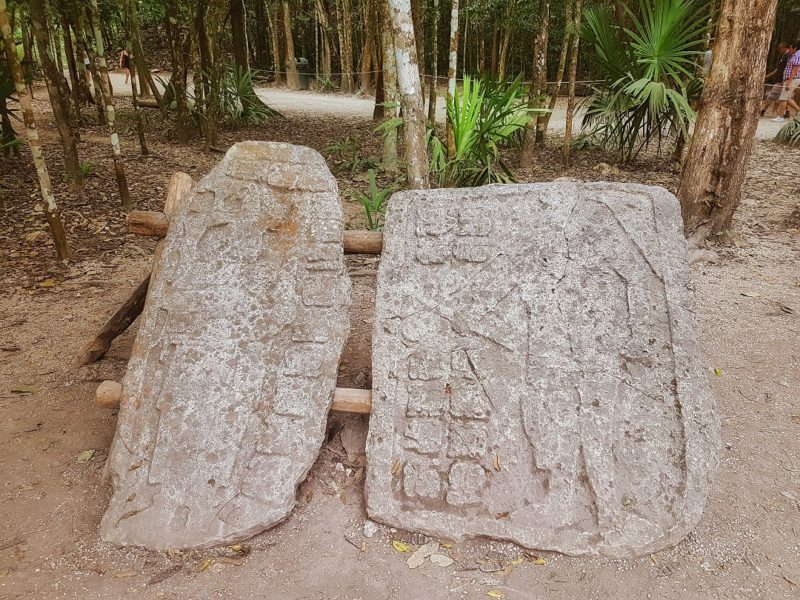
(345, 400)
(156, 224)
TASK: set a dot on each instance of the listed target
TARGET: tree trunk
(180, 42)
(58, 90)
(119, 165)
(346, 45)
(391, 100)
(274, 18)
(713, 177)
(69, 50)
(538, 88)
(126, 5)
(573, 72)
(52, 214)
(141, 58)
(451, 74)
(292, 78)
(27, 56)
(94, 69)
(325, 27)
(434, 62)
(215, 27)
(367, 50)
(544, 121)
(239, 34)
(410, 93)
(504, 46)
(261, 47)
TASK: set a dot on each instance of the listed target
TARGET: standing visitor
(791, 80)
(125, 63)
(774, 79)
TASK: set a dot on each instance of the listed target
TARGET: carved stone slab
(234, 366)
(534, 372)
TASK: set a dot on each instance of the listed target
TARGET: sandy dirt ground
(54, 440)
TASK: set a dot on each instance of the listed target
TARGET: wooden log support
(179, 187)
(156, 224)
(345, 400)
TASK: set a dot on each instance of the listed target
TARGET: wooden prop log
(345, 400)
(156, 224)
(179, 187)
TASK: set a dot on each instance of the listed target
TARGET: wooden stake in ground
(52, 213)
(410, 93)
(573, 72)
(179, 188)
(108, 101)
(451, 74)
(714, 173)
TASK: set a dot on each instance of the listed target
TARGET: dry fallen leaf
(396, 467)
(718, 372)
(495, 594)
(47, 283)
(496, 462)
(502, 515)
(205, 564)
(539, 561)
(517, 560)
(26, 389)
(400, 546)
(440, 560)
(85, 456)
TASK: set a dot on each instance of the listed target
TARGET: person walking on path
(791, 81)
(774, 79)
(125, 63)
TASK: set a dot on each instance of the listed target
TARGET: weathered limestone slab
(534, 372)
(234, 366)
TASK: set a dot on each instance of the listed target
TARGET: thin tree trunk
(391, 100)
(116, 148)
(69, 50)
(141, 58)
(126, 4)
(95, 72)
(346, 46)
(712, 182)
(366, 52)
(27, 56)
(410, 93)
(325, 27)
(52, 213)
(273, 16)
(58, 90)
(434, 62)
(237, 14)
(292, 78)
(180, 41)
(543, 122)
(451, 74)
(215, 26)
(506, 43)
(573, 71)
(538, 90)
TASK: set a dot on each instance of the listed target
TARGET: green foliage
(484, 118)
(326, 85)
(647, 72)
(87, 168)
(240, 104)
(789, 134)
(347, 156)
(374, 202)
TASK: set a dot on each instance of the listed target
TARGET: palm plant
(647, 71)
(789, 134)
(484, 118)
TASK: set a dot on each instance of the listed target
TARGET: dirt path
(343, 105)
(747, 545)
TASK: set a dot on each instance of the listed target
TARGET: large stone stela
(234, 366)
(534, 376)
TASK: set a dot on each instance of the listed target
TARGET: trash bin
(303, 73)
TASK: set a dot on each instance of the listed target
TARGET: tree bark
(538, 88)
(274, 18)
(292, 79)
(451, 74)
(573, 72)
(180, 42)
(434, 62)
(410, 93)
(325, 27)
(141, 58)
(69, 50)
(391, 100)
(346, 45)
(58, 90)
(544, 121)
(215, 28)
(108, 100)
(712, 182)
(52, 213)
(126, 4)
(238, 13)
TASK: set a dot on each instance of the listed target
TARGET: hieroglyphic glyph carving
(534, 369)
(234, 366)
